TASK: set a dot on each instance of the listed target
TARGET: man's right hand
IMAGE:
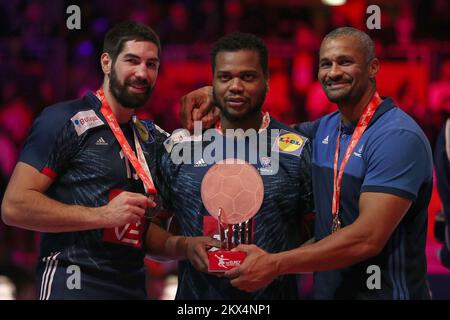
(196, 251)
(198, 105)
(127, 207)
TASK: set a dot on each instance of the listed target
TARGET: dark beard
(250, 113)
(121, 94)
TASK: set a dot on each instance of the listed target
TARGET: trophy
(232, 192)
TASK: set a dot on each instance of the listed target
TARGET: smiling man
(240, 102)
(240, 82)
(79, 183)
(372, 179)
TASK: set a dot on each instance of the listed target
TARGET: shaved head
(363, 40)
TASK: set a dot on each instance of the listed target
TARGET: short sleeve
(50, 144)
(398, 162)
(308, 129)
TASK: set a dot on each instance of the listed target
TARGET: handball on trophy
(232, 191)
(236, 187)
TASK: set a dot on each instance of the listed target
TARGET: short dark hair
(241, 41)
(363, 38)
(116, 37)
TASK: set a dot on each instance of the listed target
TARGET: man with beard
(372, 176)
(240, 83)
(82, 176)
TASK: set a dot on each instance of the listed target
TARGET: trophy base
(224, 260)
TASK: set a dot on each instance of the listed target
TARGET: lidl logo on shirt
(85, 120)
(290, 143)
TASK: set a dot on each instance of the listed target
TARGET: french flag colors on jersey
(275, 227)
(71, 143)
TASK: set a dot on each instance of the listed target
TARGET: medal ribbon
(363, 122)
(144, 174)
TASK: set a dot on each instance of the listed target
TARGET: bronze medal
(336, 225)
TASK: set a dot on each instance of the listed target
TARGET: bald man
(372, 181)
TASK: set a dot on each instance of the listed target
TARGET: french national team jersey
(275, 227)
(393, 156)
(72, 143)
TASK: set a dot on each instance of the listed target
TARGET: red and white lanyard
(139, 163)
(363, 122)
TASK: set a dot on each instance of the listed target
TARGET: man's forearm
(379, 215)
(341, 249)
(35, 211)
(162, 244)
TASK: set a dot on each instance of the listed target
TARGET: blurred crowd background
(43, 62)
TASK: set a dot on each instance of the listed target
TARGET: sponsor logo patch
(179, 135)
(85, 120)
(289, 143)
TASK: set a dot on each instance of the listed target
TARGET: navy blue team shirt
(393, 156)
(72, 143)
(287, 196)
